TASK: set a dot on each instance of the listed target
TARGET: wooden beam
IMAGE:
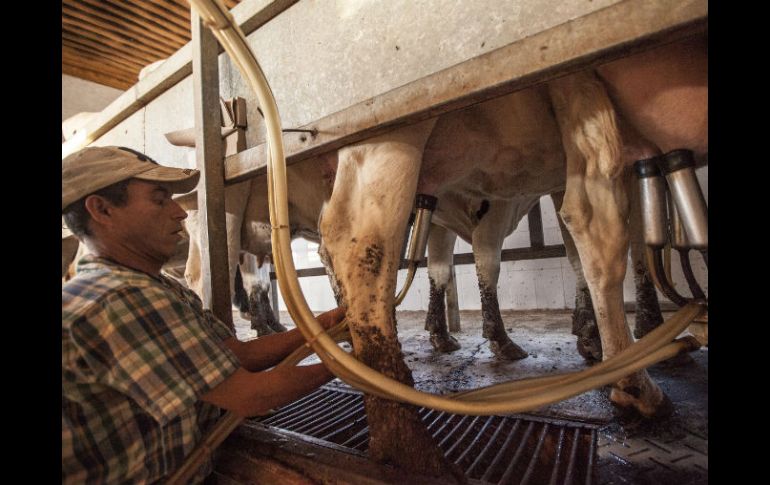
(209, 154)
(105, 29)
(98, 77)
(91, 61)
(182, 30)
(131, 67)
(535, 223)
(581, 43)
(96, 9)
(318, 461)
(110, 45)
(249, 15)
(75, 27)
(162, 28)
(179, 7)
(516, 254)
(95, 47)
(177, 14)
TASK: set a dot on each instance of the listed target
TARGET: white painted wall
(79, 95)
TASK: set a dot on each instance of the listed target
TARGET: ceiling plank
(101, 35)
(114, 31)
(78, 70)
(71, 56)
(96, 9)
(103, 49)
(130, 65)
(73, 53)
(183, 29)
(173, 12)
(141, 57)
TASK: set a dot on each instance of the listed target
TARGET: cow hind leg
(440, 249)
(362, 228)
(595, 210)
(584, 326)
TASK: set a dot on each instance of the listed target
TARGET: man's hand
(331, 318)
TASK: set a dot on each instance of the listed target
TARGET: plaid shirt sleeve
(155, 348)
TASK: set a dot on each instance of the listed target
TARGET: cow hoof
(277, 327)
(262, 329)
(444, 343)
(508, 351)
(590, 349)
(629, 400)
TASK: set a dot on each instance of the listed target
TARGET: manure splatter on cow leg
(499, 343)
(648, 315)
(589, 344)
(397, 434)
(372, 260)
(435, 321)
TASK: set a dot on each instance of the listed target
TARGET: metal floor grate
(491, 449)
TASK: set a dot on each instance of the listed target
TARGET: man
(145, 368)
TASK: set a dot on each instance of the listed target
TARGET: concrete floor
(630, 450)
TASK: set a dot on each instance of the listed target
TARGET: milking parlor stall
(508, 198)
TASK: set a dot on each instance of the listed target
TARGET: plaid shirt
(138, 352)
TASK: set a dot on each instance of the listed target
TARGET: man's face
(149, 225)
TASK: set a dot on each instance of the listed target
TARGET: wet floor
(630, 450)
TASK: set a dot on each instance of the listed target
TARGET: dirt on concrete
(630, 450)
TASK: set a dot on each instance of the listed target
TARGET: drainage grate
(491, 449)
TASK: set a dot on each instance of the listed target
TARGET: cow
(248, 230)
(485, 224)
(530, 135)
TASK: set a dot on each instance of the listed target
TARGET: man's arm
(255, 393)
(265, 352)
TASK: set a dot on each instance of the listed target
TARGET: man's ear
(99, 208)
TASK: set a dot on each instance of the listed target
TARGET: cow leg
(362, 229)
(584, 327)
(240, 295)
(441, 242)
(487, 242)
(595, 211)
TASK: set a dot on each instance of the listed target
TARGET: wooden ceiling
(110, 41)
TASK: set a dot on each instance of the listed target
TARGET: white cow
(248, 228)
(495, 149)
(484, 224)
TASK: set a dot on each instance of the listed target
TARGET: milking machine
(424, 206)
(674, 212)
(510, 397)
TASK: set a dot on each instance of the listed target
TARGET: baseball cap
(93, 168)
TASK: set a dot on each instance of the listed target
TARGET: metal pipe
(652, 192)
(695, 289)
(681, 243)
(679, 169)
(425, 205)
(661, 281)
